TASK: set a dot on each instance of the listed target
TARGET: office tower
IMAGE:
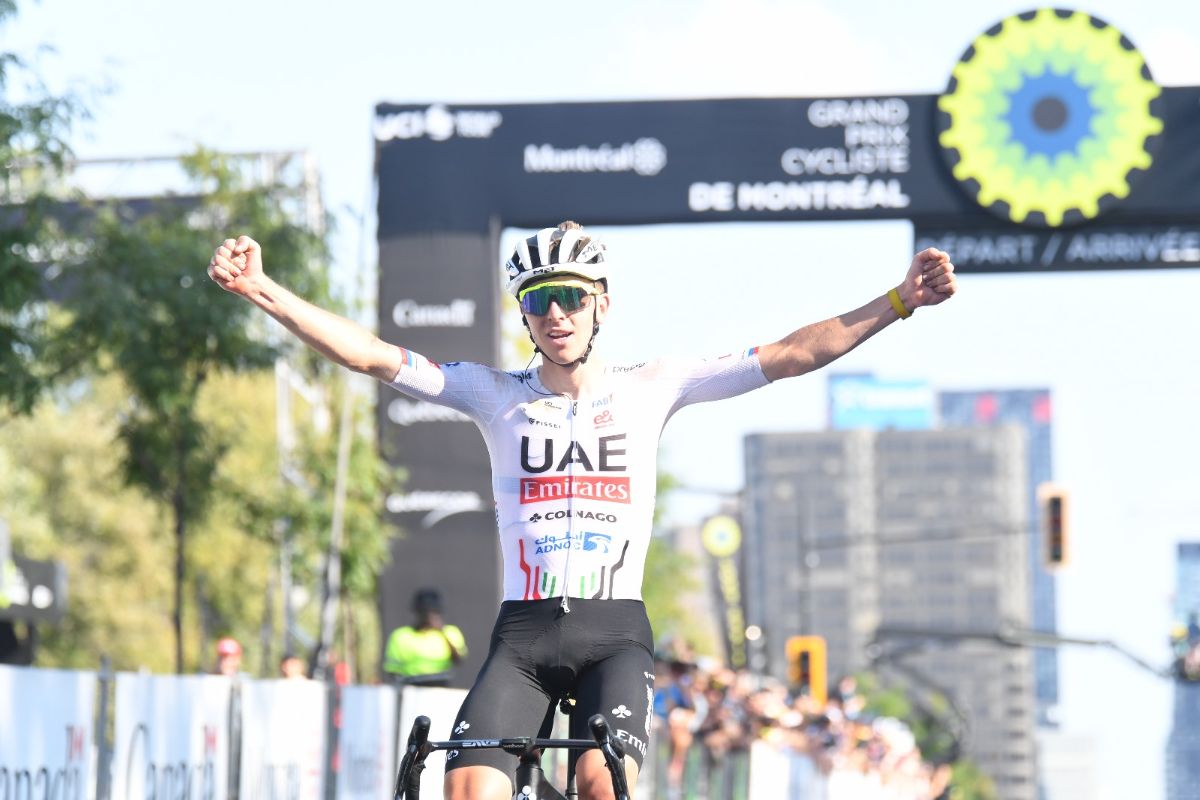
(918, 533)
(1031, 410)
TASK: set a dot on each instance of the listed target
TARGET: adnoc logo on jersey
(609, 490)
(458, 314)
(438, 123)
(646, 156)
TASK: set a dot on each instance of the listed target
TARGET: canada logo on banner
(37, 708)
(172, 737)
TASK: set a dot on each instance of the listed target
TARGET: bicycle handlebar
(614, 754)
(408, 778)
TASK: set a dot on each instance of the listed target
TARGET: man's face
(229, 664)
(563, 331)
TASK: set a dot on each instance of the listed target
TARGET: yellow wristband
(898, 304)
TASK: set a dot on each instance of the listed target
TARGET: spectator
(429, 647)
(229, 657)
(291, 666)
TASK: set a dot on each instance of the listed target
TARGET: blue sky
(1117, 349)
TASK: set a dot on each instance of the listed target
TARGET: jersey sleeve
(472, 389)
(705, 380)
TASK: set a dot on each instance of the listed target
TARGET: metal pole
(285, 441)
(333, 557)
(104, 750)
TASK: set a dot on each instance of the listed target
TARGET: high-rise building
(916, 533)
(1031, 410)
(1183, 744)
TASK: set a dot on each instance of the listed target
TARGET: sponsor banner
(436, 302)
(989, 248)
(171, 736)
(460, 168)
(283, 740)
(864, 401)
(46, 723)
(441, 706)
(721, 536)
(366, 750)
(436, 506)
(663, 161)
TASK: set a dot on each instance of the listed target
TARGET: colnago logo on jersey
(579, 513)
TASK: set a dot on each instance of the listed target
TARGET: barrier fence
(80, 735)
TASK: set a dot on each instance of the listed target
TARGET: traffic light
(806, 666)
(1055, 537)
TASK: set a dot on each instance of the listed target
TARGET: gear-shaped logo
(1048, 117)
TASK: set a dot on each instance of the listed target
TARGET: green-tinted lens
(536, 301)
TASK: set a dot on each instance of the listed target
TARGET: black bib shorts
(600, 654)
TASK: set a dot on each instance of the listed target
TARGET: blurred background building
(1183, 744)
(1031, 410)
(888, 543)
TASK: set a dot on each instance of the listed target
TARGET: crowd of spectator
(1185, 646)
(724, 711)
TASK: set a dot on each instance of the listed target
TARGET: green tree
(33, 148)
(143, 308)
(933, 734)
(64, 499)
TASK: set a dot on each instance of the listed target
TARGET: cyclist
(573, 445)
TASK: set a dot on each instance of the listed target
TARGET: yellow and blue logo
(1048, 117)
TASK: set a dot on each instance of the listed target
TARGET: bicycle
(529, 779)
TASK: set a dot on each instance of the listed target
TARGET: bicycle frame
(531, 783)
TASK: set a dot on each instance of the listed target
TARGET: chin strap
(582, 359)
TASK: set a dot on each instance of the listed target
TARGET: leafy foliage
(140, 306)
(33, 148)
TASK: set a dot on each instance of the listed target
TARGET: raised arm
(930, 280)
(236, 267)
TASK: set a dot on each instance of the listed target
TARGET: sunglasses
(570, 297)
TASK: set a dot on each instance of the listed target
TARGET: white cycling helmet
(565, 249)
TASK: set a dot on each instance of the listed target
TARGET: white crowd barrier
(366, 755)
(171, 737)
(47, 719)
(441, 706)
(205, 737)
(283, 755)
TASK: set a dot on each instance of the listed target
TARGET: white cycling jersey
(574, 480)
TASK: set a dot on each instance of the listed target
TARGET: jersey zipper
(566, 600)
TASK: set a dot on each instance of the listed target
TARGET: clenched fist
(236, 264)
